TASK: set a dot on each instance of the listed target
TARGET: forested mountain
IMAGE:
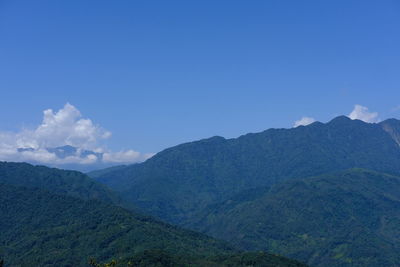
(39, 228)
(71, 183)
(349, 218)
(157, 258)
(53, 217)
(304, 192)
(392, 126)
(101, 172)
(177, 182)
(254, 192)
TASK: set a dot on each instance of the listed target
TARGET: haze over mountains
(73, 158)
(224, 187)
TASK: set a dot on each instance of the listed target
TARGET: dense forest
(348, 218)
(62, 228)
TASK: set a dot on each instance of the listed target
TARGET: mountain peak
(340, 119)
(215, 139)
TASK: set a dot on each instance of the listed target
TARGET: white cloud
(362, 113)
(304, 121)
(66, 127)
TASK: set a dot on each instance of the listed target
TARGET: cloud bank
(362, 113)
(63, 137)
(303, 121)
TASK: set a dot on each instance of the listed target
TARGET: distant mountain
(68, 151)
(73, 158)
(349, 218)
(63, 152)
(102, 172)
(177, 182)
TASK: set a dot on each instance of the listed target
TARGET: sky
(131, 78)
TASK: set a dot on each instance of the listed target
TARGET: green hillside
(177, 182)
(159, 258)
(43, 229)
(71, 183)
(101, 172)
(39, 228)
(350, 218)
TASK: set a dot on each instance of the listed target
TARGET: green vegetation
(177, 182)
(159, 258)
(39, 228)
(71, 183)
(254, 190)
(349, 218)
(68, 222)
(43, 229)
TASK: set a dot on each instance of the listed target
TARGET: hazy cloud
(362, 113)
(304, 121)
(66, 127)
(396, 109)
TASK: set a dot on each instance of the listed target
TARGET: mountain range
(327, 194)
(178, 181)
(309, 192)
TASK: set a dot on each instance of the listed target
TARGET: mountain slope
(40, 228)
(392, 126)
(102, 172)
(156, 258)
(177, 182)
(43, 229)
(71, 183)
(349, 218)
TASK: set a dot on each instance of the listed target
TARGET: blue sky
(159, 73)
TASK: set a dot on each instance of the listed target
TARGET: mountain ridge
(72, 183)
(207, 171)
